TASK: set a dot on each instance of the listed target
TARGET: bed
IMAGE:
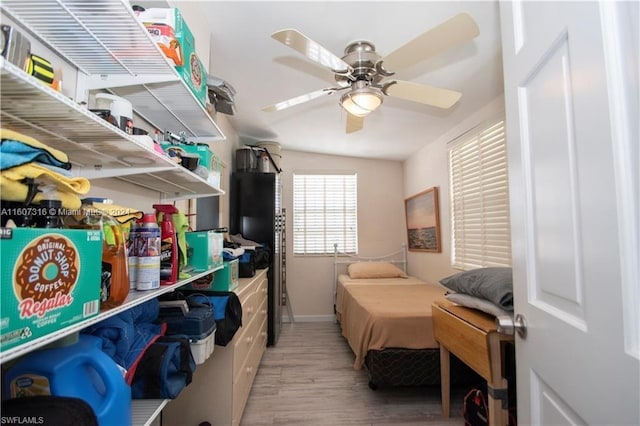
(385, 316)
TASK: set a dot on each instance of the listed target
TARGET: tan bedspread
(388, 316)
(344, 281)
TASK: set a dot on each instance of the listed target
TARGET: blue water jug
(79, 370)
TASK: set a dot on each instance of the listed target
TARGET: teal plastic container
(79, 370)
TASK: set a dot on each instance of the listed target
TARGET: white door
(571, 90)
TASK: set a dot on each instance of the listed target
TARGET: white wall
(380, 225)
(427, 168)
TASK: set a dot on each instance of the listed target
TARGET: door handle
(508, 325)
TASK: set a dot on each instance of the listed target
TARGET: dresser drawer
(251, 304)
(246, 339)
(244, 380)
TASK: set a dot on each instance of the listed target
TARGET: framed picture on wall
(423, 221)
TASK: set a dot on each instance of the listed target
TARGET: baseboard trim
(310, 318)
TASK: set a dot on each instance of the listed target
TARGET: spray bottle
(168, 245)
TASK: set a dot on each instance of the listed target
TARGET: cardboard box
(194, 74)
(225, 279)
(206, 250)
(50, 280)
(192, 70)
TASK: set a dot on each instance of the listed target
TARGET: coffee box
(50, 279)
(192, 70)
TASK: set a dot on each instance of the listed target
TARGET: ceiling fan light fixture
(361, 102)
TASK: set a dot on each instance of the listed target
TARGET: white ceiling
(264, 71)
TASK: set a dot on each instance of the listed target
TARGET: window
(480, 199)
(324, 213)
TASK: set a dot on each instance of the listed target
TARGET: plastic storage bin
(225, 279)
(203, 348)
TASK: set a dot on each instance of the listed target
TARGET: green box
(50, 279)
(225, 279)
(207, 157)
(192, 69)
(206, 250)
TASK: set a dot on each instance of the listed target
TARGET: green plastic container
(225, 279)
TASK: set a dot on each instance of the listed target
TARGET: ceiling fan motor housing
(362, 57)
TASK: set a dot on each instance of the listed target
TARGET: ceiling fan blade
(312, 50)
(456, 30)
(354, 123)
(429, 95)
(298, 100)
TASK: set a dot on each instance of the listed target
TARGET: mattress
(344, 281)
(380, 316)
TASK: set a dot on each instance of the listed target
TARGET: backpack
(165, 368)
(475, 410)
(227, 311)
(476, 413)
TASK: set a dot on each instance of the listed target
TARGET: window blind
(480, 199)
(325, 212)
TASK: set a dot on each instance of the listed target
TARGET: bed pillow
(477, 303)
(375, 270)
(494, 284)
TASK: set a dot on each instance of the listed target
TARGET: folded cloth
(13, 153)
(238, 238)
(233, 252)
(120, 213)
(65, 189)
(18, 149)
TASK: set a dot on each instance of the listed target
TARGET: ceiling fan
(362, 70)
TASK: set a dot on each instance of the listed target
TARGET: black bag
(262, 257)
(227, 313)
(165, 368)
(49, 410)
(247, 264)
(475, 409)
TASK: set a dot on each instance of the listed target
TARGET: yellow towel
(10, 134)
(120, 213)
(66, 189)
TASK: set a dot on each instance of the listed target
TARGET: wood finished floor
(308, 379)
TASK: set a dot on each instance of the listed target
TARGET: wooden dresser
(221, 385)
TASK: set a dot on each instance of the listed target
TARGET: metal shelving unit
(135, 298)
(144, 411)
(96, 149)
(112, 50)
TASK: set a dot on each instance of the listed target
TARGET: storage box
(208, 158)
(194, 74)
(50, 280)
(192, 70)
(225, 279)
(203, 348)
(206, 250)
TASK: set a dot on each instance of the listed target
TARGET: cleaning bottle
(115, 266)
(168, 245)
(148, 253)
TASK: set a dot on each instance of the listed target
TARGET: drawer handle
(249, 370)
(263, 312)
(250, 311)
(249, 339)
